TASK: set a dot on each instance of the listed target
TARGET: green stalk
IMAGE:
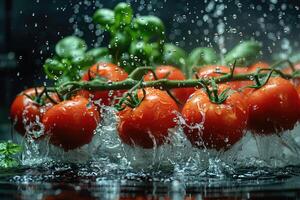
(161, 83)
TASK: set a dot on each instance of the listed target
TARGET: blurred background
(30, 29)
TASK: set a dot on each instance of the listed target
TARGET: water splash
(178, 157)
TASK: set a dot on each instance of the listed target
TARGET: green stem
(161, 83)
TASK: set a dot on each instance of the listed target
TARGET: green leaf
(100, 54)
(295, 58)
(8, 162)
(244, 53)
(9, 148)
(70, 47)
(126, 63)
(123, 14)
(63, 79)
(104, 17)
(53, 68)
(141, 52)
(175, 56)
(82, 61)
(202, 56)
(149, 28)
(119, 43)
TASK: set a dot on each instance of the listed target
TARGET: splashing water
(178, 157)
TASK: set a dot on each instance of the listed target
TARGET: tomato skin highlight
(258, 65)
(216, 71)
(24, 111)
(215, 126)
(108, 71)
(274, 107)
(171, 73)
(147, 125)
(212, 71)
(71, 123)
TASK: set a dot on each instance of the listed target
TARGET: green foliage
(202, 56)
(174, 55)
(123, 14)
(71, 58)
(100, 54)
(7, 152)
(295, 58)
(135, 41)
(104, 17)
(244, 53)
(70, 47)
(149, 28)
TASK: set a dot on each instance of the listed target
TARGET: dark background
(30, 29)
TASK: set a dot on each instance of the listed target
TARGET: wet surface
(66, 181)
(255, 168)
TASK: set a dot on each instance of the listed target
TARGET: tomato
(258, 65)
(274, 107)
(26, 113)
(108, 72)
(288, 70)
(214, 125)
(240, 70)
(212, 71)
(216, 71)
(147, 125)
(71, 123)
(171, 73)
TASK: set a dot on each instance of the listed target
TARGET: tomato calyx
(131, 98)
(213, 92)
(39, 99)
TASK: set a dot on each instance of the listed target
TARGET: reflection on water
(87, 181)
(140, 192)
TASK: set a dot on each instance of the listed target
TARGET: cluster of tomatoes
(270, 109)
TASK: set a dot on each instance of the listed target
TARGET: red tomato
(240, 70)
(288, 70)
(242, 85)
(71, 123)
(213, 125)
(171, 73)
(216, 71)
(258, 65)
(108, 72)
(25, 111)
(212, 71)
(274, 107)
(147, 125)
